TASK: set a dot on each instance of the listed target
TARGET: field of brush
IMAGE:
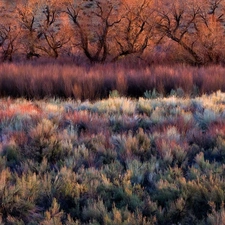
(149, 160)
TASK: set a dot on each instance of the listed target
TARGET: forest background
(190, 32)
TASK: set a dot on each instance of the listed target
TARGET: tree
(28, 14)
(210, 30)
(93, 23)
(177, 21)
(43, 27)
(9, 33)
(197, 26)
(53, 31)
(136, 29)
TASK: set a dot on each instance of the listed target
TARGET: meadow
(119, 160)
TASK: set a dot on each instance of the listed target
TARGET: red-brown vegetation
(32, 80)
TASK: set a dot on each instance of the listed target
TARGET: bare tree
(197, 26)
(210, 30)
(177, 21)
(29, 15)
(9, 33)
(110, 30)
(8, 37)
(43, 27)
(53, 33)
(93, 23)
(136, 29)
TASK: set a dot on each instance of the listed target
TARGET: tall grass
(40, 80)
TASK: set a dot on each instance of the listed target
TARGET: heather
(120, 160)
(41, 79)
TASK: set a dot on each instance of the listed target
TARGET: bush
(158, 162)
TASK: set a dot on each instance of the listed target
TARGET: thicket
(54, 79)
(114, 161)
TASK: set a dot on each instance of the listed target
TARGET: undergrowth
(54, 80)
(123, 161)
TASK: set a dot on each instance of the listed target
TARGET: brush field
(150, 160)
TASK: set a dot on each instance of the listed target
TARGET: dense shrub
(115, 161)
(37, 81)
